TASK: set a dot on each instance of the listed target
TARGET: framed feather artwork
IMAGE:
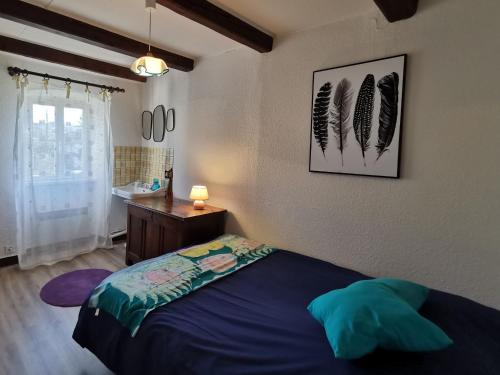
(356, 117)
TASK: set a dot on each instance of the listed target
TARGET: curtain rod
(15, 71)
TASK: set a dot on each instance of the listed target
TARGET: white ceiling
(176, 33)
(287, 16)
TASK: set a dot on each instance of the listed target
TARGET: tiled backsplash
(153, 163)
(139, 164)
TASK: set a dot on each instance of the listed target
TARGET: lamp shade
(149, 66)
(199, 192)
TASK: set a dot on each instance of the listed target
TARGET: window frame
(60, 142)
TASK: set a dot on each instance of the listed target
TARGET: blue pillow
(377, 313)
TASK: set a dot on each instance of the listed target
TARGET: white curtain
(63, 172)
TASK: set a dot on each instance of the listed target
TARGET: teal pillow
(377, 313)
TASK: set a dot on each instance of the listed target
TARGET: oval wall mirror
(170, 120)
(159, 119)
(147, 124)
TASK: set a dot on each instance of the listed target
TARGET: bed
(255, 321)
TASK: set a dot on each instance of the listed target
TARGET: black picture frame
(358, 70)
(159, 121)
(170, 115)
(147, 124)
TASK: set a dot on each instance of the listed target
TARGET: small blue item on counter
(156, 184)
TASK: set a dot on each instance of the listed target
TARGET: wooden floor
(35, 338)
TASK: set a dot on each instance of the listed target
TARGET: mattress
(255, 322)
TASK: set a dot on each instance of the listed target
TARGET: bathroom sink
(137, 190)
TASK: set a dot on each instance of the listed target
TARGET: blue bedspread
(255, 322)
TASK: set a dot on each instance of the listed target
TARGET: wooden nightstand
(155, 227)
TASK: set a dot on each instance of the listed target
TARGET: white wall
(125, 119)
(243, 123)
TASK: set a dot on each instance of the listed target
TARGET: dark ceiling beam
(44, 19)
(397, 10)
(52, 55)
(223, 22)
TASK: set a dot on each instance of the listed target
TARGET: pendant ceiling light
(149, 66)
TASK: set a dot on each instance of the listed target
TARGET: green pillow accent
(377, 313)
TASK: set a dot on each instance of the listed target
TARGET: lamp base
(199, 205)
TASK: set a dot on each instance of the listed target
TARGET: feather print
(340, 114)
(320, 115)
(363, 112)
(388, 87)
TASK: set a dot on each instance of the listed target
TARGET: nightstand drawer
(165, 221)
(140, 213)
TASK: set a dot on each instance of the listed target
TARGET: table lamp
(199, 194)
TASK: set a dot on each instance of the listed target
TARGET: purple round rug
(72, 288)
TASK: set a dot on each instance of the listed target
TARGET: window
(59, 142)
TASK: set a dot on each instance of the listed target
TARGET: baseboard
(9, 261)
(120, 238)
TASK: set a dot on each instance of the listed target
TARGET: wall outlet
(9, 251)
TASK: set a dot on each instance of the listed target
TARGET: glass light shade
(149, 66)
(199, 193)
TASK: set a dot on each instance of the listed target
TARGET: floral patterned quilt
(130, 294)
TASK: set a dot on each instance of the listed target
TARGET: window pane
(44, 141)
(74, 142)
